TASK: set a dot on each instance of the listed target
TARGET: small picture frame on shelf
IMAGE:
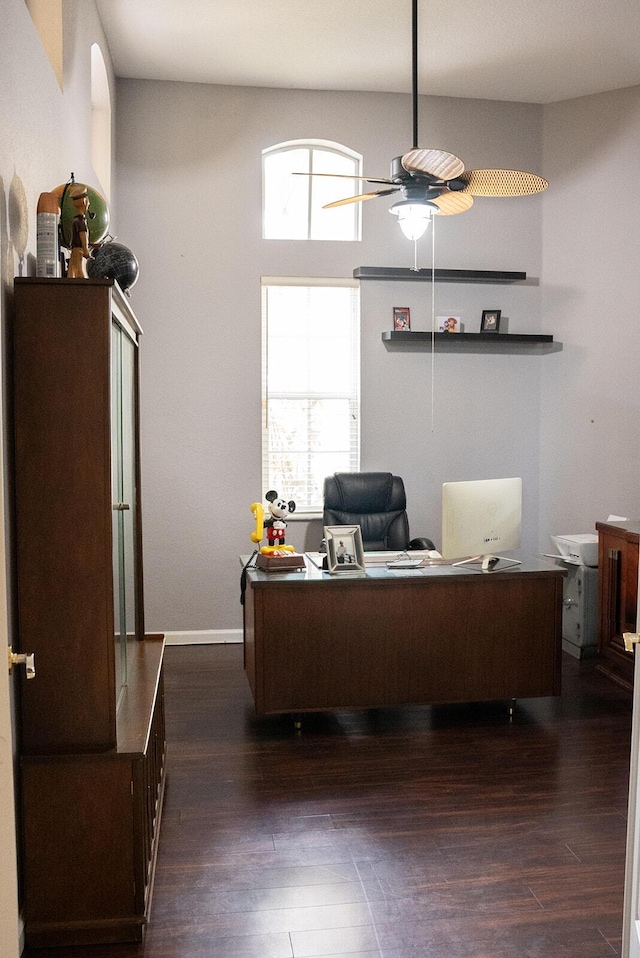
(448, 324)
(490, 320)
(344, 549)
(401, 318)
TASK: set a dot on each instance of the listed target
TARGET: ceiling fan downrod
(414, 72)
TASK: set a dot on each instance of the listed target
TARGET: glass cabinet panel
(123, 467)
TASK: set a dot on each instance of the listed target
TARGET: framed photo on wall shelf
(490, 320)
(401, 317)
(448, 324)
(345, 552)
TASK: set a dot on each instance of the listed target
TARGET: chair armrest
(421, 543)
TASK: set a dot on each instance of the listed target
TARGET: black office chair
(376, 502)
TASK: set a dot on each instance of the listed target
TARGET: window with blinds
(310, 386)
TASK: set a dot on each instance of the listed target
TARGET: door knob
(27, 659)
(630, 639)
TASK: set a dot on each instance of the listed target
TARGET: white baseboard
(212, 637)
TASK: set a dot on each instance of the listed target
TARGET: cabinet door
(63, 512)
(124, 488)
(617, 597)
(78, 849)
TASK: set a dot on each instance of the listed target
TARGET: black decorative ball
(114, 261)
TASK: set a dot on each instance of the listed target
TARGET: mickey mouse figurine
(275, 525)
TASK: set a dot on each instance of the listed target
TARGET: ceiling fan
(433, 181)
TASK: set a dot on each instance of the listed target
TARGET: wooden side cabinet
(92, 732)
(91, 824)
(618, 544)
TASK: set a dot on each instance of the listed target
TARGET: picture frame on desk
(345, 552)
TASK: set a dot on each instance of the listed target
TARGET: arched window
(292, 205)
(100, 120)
(47, 18)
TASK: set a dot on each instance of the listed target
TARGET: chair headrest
(365, 492)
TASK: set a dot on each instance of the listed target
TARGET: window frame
(354, 451)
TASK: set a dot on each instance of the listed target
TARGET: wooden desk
(314, 642)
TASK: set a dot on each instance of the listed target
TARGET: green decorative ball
(97, 214)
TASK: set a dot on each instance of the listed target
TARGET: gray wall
(188, 182)
(590, 399)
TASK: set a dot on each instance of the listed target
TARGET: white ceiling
(535, 51)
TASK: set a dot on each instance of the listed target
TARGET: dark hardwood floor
(445, 832)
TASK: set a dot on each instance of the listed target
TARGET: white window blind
(293, 205)
(310, 386)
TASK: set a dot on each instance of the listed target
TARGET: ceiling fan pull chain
(433, 321)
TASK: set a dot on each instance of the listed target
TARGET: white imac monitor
(481, 518)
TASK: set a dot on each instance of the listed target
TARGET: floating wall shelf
(468, 341)
(441, 275)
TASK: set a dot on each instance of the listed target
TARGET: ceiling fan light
(414, 218)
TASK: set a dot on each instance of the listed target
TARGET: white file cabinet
(579, 610)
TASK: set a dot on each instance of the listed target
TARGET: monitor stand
(489, 563)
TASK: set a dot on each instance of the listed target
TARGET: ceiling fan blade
(347, 176)
(437, 163)
(450, 203)
(502, 183)
(358, 198)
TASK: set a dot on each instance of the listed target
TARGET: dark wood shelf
(422, 339)
(144, 688)
(441, 275)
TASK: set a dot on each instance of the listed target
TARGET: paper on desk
(384, 558)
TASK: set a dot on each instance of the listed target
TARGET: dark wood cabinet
(618, 544)
(92, 733)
